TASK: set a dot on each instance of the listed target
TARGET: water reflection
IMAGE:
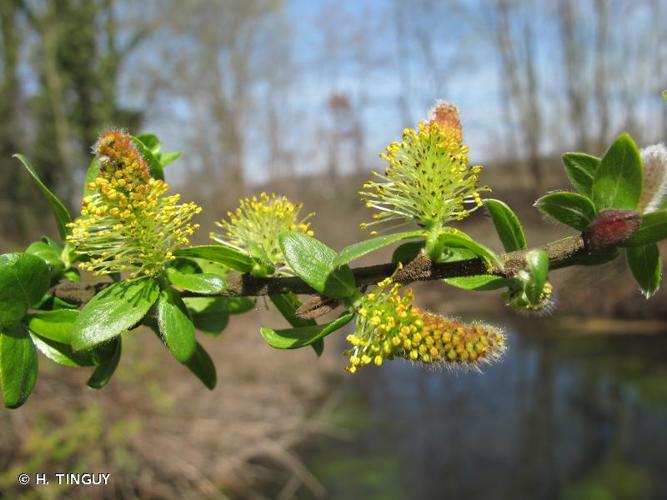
(562, 417)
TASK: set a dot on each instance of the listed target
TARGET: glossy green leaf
(571, 209)
(219, 253)
(458, 239)
(287, 304)
(54, 325)
(507, 225)
(313, 262)
(60, 353)
(175, 326)
(51, 253)
(112, 311)
(18, 365)
(230, 305)
(201, 283)
(153, 164)
(537, 262)
(481, 282)
(203, 367)
(646, 267)
(168, 157)
(356, 250)
(24, 279)
(618, 180)
(653, 228)
(108, 357)
(580, 169)
(151, 142)
(407, 251)
(295, 338)
(57, 207)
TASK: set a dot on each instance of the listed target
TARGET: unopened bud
(610, 228)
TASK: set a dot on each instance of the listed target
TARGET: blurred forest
(258, 90)
(300, 96)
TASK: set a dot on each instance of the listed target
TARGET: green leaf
(619, 178)
(230, 305)
(407, 251)
(458, 239)
(295, 338)
(571, 209)
(53, 325)
(91, 174)
(113, 311)
(24, 279)
(175, 325)
(313, 262)
(168, 157)
(538, 266)
(202, 366)
(153, 164)
(51, 253)
(653, 228)
(18, 365)
(200, 283)
(507, 225)
(481, 282)
(59, 353)
(108, 357)
(57, 207)
(646, 267)
(151, 142)
(580, 169)
(356, 250)
(219, 253)
(287, 304)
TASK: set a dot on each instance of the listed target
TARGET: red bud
(610, 228)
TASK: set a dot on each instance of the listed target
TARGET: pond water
(563, 416)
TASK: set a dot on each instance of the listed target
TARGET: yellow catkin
(255, 226)
(127, 222)
(392, 327)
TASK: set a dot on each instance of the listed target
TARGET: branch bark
(562, 253)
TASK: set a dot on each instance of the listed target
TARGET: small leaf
(113, 311)
(18, 365)
(646, 267)
(458, 239)
(53, 325)
(24, 279)
(230, 305)
(203, 367)
(219, 253)
(653, 228)
(295, 338)
(201, 283)
(175, 325)
(537, 262)
(356, 250)
(169, 157)
(481, 282)
(571, 209)
(287, 304)
(619, 178)
(108, 357)
(153, 164)
(507, 225)
(580, 169)
(313, 262)
(59, 211)
(51, 253)
(59, 353)
(151, 142)
(407, 251)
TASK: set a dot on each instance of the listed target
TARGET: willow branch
(562, 253)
